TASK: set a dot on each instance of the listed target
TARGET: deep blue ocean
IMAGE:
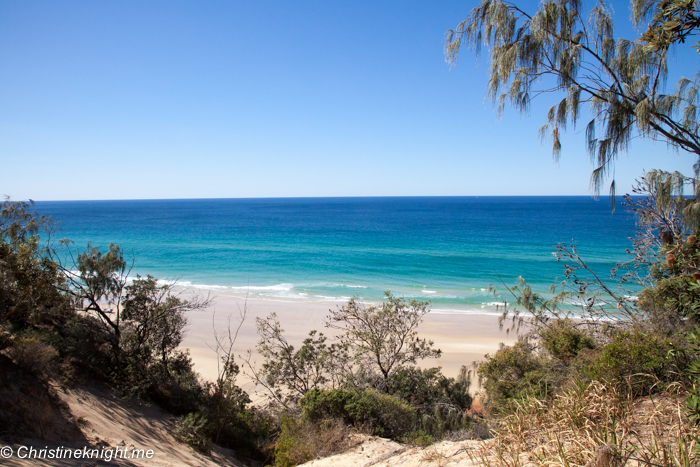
(444, 249)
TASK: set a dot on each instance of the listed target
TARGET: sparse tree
(560, 49)
(29, 283)
(154, 320)
(98, 282)
(288, 373)
(383, 338)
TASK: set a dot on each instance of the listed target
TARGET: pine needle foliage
(567, 51)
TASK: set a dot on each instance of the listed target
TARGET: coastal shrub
(176, 387)
(30, 291)
(387, 416)
(293, 446)
(225, 404)
(516, 373)
(33, 356)
(445, 419)
(418, 438)
(191, 429)
(635, 360)
(564, 341)
(693, 400)
(425, 388)
(290, 373)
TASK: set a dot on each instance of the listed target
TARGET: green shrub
(191, 429)
(388, 416)
(318, 404)
(635, 359)
(419, 438)
(693, 400)
(291, 448)
(425, 388)
(445, 419)
(516, 373)
(563, 341)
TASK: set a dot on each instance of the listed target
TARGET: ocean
(446, 250)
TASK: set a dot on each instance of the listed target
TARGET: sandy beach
(463, 338)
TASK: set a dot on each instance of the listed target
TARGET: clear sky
(206, 99)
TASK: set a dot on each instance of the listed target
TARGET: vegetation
(569, 429)
(562, 49)
(84, 319)
(598, 353)
(599, 363)
(365, 378)
(73, 314)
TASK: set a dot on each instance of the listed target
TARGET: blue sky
(173, 99)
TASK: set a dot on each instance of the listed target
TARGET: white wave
(208, 287)
(332, 299)
(275, 288)
(336, 284)
(465, 311)
(429, 291)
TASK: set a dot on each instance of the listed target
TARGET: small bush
(424, 388)
(191, 429)
(292, 447)
(636, 360)
(388, 416)
(516, 373)
(419, 438)
(33, 356)
(563, 341)
(445, 419)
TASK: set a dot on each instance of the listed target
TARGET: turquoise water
(446, 250)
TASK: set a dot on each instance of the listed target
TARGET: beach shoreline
(464, 338)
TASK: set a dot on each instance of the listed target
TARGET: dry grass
(567, 430)
(333, 437)
(435, 456)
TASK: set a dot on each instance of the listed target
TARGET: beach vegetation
(76, 316)
(30, 285)
(638, 360)
(628, 339)
(365, 377)
(383, 414)
(382, 339)
(673, 21)
(301, 441)
(190, 429)
(581, 422)
(516, 373)
(288, 373)
(568, 53)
